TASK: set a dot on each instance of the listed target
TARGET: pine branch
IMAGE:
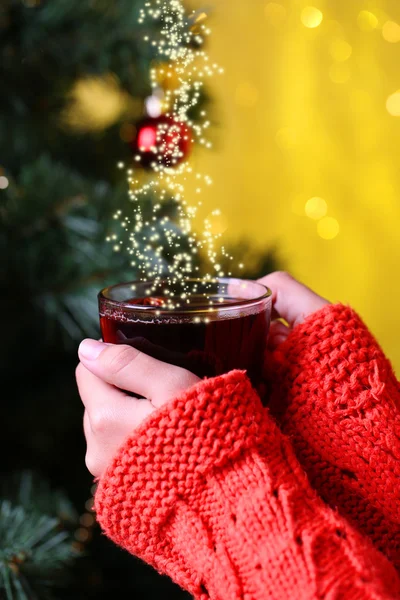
(34, 545)
(33, 493)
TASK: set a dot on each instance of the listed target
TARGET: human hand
(204, 364)
(292, 302)
(110, 414)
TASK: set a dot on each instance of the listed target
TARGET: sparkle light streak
(161, 250)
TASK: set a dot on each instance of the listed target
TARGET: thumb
(292, 300)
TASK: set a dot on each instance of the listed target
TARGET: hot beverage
(207, 337)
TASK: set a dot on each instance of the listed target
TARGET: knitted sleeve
(209, 491)
(337, 398)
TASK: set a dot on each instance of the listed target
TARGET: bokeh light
(316, 208)
(311, 17)
(391, 32)
(95, 103)
(393, 104)
(367, 21)
(340, 50)
(3, 182)
(322, 127)
(328, 228)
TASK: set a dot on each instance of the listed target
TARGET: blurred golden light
(201, 17)
(198, 22)
(3, 182)
(316, 208)
(275, 14)
(367, 21)
(340, 50)
(95, 104)
(328, 228)
(246, 95)
(286, 138)
(393, 104)
(340, 73)
(391, 32)
(218, 222)
(311, 17)
(346, 137)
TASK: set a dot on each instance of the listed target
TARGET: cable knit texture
(337, 398)
(209, 491)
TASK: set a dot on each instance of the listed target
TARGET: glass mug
(207, 340)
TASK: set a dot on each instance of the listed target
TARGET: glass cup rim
(121, 305)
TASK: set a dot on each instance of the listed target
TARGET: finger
(279, 328)
(129, 369)
(278, 333)
(157, 352)
(104, 402)
(86, 425)
(292, 300)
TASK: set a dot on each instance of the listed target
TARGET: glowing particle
(275, 14)
(393, 104)
(391, 32)
(340, 50)
(121, 165)
(340, 73)
(246, 95)
(367, 21)
(328, 228)
(316, 208)
(184, 65)
(3, 182)
(147, 139)
(153, 106)
(311, 17)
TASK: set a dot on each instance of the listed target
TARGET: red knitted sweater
(211, 492)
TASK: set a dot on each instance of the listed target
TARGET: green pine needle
(35, 541)
(31, 547)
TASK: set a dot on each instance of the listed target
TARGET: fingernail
(90, 349)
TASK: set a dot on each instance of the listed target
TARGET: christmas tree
(74, 80)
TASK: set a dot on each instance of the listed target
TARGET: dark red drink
(210, 336)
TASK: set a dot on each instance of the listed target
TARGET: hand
(292, 302)
(204, 364)
(110, 414)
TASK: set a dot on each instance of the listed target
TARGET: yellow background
(302, 112)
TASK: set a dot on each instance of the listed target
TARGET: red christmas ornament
(162, 141)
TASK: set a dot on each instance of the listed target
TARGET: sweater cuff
(334, 352)
(170, 454)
